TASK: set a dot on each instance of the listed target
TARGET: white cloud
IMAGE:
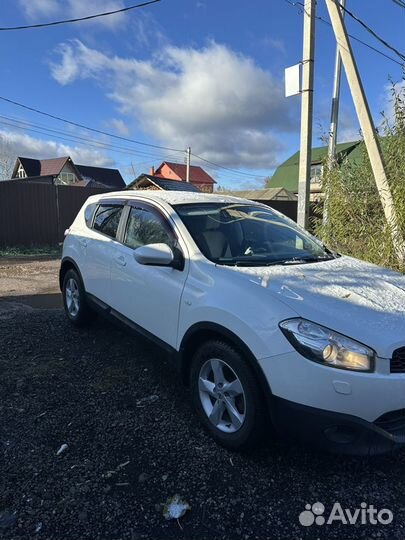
(21, 144)
(349, 135)
(68, 70)
(348, 128)
(81, 8)
(388, 100)
(228, 108)
(274, 43)
(255, 183)
(119, 126)
(40, 8)
(348, 125)
(146, 31)
(35, 9)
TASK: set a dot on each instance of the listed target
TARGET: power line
(126, 139)
(224, 176)
(79, 19)
(26, 126)
(371, 47)
(373, 33)
(400, 3)
(82, 126)
(230, 177)
(300, 6)
(235, 171)
(70, 137)
(99, 146)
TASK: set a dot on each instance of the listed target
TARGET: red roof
(52, 167)
(197, 174)
(43, 167)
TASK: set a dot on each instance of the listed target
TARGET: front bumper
(337, 432)
(363, 395)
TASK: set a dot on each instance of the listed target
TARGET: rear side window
(88, 213)
(107, 219)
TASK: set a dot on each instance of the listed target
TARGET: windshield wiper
(249, 261)
(245, 262)
(303, 260)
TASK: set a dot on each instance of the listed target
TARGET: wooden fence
(35, 214)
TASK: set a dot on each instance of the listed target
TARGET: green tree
(356, 222)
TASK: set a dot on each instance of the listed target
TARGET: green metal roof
(286, 175)
(267, 194)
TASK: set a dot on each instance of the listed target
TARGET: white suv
(266, 325)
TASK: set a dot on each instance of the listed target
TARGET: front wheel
(74, 299)
(226, 396)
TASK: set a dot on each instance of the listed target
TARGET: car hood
(358, 299)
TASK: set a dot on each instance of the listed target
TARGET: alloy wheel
(222, 395)
(72, 296)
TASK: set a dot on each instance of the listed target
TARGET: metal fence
(35, 214)
(289, 208)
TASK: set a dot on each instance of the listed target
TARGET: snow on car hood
(358, 299)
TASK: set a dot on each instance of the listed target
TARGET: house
(150, 182)
(286, 175)
(178, 171)
(63, 171)
(263, 195)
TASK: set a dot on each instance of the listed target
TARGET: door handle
(120, 260)
(84, 242)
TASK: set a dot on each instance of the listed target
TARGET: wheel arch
(201, 332)
(67, 264)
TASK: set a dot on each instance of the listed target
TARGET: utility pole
(366, 125)
(333, 120)
(335, 101)
(307, 99)
(188, 159)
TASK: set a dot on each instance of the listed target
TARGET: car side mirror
(154, 255)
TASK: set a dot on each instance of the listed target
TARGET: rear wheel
(226, 396)
(74, 299)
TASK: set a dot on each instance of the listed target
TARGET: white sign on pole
(292, 80)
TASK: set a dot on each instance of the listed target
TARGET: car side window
(107, 219)
(88, 213)
(147, 227)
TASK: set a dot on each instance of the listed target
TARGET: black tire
(84, 314)
(252, 403)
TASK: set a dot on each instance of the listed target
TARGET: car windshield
(249, 235)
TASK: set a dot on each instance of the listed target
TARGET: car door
(149, 296)
(97, 248)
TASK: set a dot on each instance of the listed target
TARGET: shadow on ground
(133, 441)
(36, 301)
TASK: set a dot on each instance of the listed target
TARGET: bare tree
(7, 159)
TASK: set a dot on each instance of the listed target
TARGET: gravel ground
(31, 280)
(133, 441)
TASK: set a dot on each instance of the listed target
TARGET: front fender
(262, 337)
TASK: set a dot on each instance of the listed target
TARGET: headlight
(327, 347)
